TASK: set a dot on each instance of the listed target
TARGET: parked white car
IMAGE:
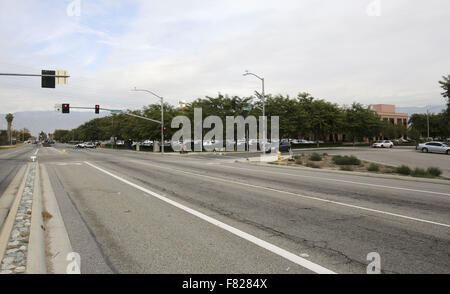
(434, 147)
(147, 143)
(89, 145)
(383, 144)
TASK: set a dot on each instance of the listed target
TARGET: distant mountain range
(49, 121)
(421, 110)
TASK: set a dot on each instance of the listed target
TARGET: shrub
(312, 165)
(325, 154)
(434, 171)
(315, 157)
(298, 161)
(346, 168)
(346, 160)
(403, 170)
(373, 167)
(420, 173)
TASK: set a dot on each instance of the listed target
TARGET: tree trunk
(9, 134)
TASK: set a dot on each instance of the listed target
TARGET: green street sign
(247, 108)
(116, 111)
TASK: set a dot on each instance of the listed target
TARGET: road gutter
(36, 251)
(58, 245)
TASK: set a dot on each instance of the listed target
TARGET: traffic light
(97, 109)
(65, 108)
(165, 129)
(48, 82)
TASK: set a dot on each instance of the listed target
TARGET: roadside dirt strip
(14, 237)
(32, 241)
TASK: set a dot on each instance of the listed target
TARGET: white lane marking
(337, 180)
(37, 150)
(261, 243)
(298, 195)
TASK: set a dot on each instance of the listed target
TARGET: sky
(368, 51)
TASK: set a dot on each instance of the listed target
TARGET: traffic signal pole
(32, 75)
(97, 108)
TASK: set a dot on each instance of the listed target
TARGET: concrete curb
(371, 175)
(10, 220)
(36, 245)
(58, 241)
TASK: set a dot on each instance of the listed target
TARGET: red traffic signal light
(165, 129)
(65, 108)
(97, 109)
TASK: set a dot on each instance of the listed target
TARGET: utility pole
(162, 114)
(428, 124)
(263, 99)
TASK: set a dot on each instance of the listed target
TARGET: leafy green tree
(42, 136)
(439, 125)
(361, 122)
(445, 85)
(61, 136)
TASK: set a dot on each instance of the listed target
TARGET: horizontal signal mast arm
(32, 75)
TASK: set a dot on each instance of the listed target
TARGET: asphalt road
(10, 162)
(146, 213)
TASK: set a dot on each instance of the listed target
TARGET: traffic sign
(115, 111)
(48, 79)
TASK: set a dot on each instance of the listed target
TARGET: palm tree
(9, 118)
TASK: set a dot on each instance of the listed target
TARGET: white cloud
(189, 49)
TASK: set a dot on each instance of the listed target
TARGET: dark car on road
(284, 146)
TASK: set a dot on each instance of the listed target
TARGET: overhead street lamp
(162, 114)
(263, 99)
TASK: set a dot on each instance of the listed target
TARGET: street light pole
(428, 124)
(263, 99)
(162, 114)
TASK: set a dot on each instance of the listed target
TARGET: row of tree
(19, 135)
(301, 117)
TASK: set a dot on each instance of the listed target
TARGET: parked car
(89, 145)
(284, 146)
(79, 145)
(147, 143)
(434, 147)
(383, 144)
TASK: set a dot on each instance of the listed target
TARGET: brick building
(387, 113)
